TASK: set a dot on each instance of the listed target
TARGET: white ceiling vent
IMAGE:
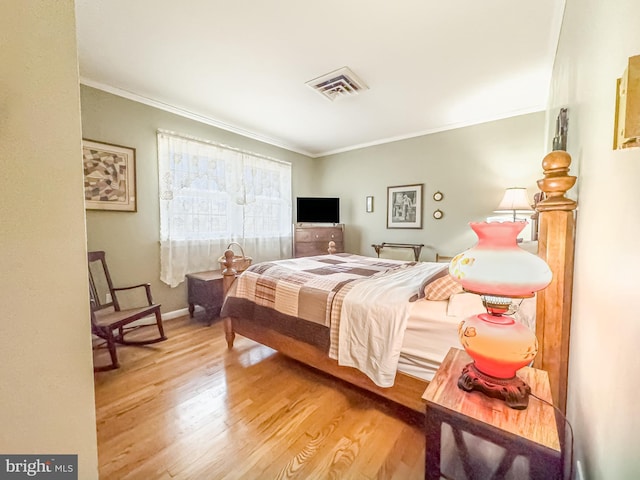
(338, 83)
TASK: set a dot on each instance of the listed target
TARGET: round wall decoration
(438, 214)
(438, 196)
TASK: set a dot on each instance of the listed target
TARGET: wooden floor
(188, 408)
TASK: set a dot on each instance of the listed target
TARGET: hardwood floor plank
(188, 408)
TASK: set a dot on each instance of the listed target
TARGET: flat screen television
(317, 210)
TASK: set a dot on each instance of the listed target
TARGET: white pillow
(464, 305)
(531, 247)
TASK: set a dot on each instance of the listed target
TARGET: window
(212, 195)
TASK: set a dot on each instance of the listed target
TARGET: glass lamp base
(513, 391)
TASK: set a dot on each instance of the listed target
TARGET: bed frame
(553, 310)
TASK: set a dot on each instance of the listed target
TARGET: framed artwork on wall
(109, 176)
(404, 206)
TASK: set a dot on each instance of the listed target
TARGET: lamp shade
(515, 198)
(496, 265)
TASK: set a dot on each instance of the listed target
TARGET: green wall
(131, 239)
(472, 166)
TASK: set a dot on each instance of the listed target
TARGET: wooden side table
(205, 289)
(469, 435)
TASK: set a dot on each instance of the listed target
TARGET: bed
(303, 320)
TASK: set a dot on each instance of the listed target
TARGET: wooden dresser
(309, 240)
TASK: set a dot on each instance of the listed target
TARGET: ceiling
(242, 65)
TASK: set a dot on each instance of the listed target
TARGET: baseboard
(175, 314)
(151, 320)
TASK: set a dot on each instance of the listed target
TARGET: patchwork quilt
(307, 287)
(363, 303)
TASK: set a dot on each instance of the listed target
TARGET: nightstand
(205, 289)
(469, 435)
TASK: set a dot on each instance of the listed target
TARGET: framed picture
(404, 206)
(109, 176)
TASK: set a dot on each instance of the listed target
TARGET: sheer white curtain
(212, 195)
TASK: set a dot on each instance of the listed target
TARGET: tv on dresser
(317, 210)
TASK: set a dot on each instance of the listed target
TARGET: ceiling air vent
(338, 83)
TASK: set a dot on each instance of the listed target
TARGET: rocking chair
(108, 319)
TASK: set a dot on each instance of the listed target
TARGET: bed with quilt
(387, 323)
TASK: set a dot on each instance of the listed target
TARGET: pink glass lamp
(498, 270)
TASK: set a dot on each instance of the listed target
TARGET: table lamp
(514, 201)
(498, 270)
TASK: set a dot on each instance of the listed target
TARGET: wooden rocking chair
(107, 316)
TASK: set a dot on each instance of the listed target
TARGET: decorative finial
(556, 182)
(228, 263)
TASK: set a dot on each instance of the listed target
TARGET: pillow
(426, 281)
(531, 247)
(464, 305)
(442, 288)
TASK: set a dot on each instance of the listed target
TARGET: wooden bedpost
(228, 277)
(556, 246)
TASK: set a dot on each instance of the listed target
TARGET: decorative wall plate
(438, 214)
(438, 196)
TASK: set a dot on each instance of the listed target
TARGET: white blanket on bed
(373, 320)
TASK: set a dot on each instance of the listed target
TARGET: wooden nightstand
(205, 289)
(469, 435)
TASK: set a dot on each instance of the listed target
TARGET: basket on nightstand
(239, 262)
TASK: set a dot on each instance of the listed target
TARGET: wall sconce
(369, 204)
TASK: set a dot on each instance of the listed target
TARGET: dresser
(309, 240)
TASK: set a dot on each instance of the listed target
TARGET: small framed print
(109, 176)
(404, 206)
(369, 204)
